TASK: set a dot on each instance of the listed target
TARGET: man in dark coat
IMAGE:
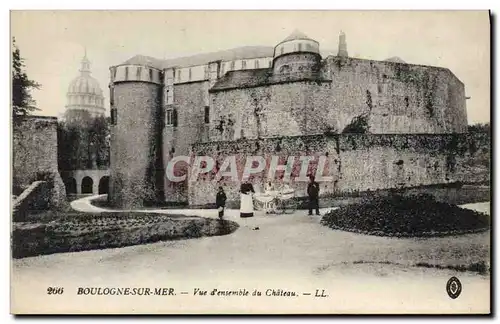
(313, 193)
(220, 201)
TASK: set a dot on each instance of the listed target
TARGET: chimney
(342, 45)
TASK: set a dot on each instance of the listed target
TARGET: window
(190, 74)
(151, 74)
(232, 66)
(270, 63)
(174, 118)
(138, 73)
(282, 50)
(170, 117)
(256, 64)
(178, 72)
(243, 64)
(126, 73)
(113, 116)
(207, 114)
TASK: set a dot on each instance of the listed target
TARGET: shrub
(401, 216)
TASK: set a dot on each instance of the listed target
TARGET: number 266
(55, 291)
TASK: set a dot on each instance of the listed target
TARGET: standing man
(220, 201)
(313, 193)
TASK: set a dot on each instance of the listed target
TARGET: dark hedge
(406, 216)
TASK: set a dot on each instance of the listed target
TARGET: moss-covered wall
(355, 162)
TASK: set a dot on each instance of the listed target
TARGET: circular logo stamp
(453, 287)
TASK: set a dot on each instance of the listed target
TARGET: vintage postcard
(250, 162)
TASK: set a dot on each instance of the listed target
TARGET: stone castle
(256, 99)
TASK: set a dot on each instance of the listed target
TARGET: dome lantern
(85, 68)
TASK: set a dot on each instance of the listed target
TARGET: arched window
(104, 185)
(87, 184)
(243, 64)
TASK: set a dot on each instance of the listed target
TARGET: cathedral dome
(85, 93)
(85, 85)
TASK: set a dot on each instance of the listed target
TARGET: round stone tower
(136, 172)
(296, 54)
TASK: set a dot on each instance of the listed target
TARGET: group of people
(246, 202)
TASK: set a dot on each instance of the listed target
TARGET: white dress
(246, 205)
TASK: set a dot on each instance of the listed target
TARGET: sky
(53, 42)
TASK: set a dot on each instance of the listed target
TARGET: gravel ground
(359, 273)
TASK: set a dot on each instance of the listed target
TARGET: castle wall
(395, 98)
(34, 156)
(286, 109)
(136, 170)
(355, 162)
(189, 101)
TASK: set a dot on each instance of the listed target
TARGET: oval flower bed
(406, 217)
(73, 231)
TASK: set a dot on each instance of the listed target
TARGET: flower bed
(406, 216)
(70, 232)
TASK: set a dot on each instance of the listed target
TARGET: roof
(243, 79)
(259, 77)
(297, 34)
(239, 53)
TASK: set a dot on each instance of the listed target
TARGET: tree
(22, 101)
(83, 143)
